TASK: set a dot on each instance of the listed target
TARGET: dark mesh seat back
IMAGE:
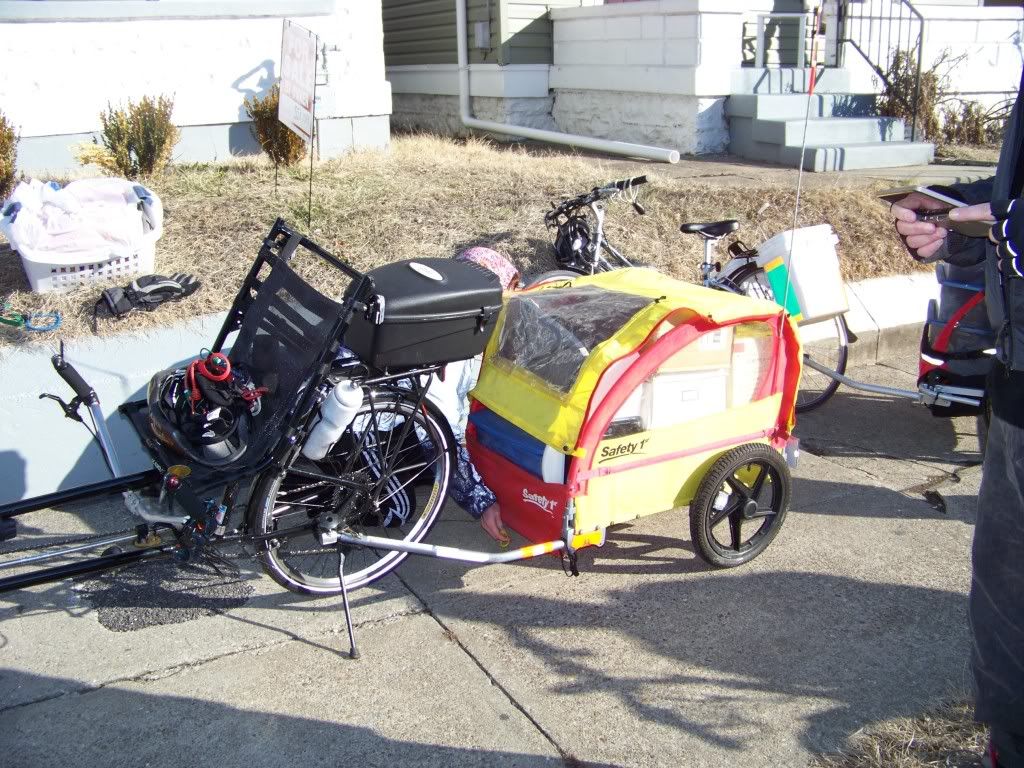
(282, 333)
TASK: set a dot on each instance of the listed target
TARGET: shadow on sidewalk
(114, 727)
(702, 656)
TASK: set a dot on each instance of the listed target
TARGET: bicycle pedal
(150, 509)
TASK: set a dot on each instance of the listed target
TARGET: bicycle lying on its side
(581, 248)
(230, 437)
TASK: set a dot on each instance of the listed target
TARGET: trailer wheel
(740, 505)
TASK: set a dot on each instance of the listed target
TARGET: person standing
(996, 601)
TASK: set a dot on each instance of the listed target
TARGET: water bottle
(336, 414)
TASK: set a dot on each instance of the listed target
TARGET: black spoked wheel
(405, 506)
(827, 343)
(740, 505)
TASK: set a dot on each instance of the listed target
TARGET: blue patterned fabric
(467, 487)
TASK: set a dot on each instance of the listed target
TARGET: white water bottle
(336, 413)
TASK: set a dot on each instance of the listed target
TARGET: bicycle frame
(561, 216)
(600, 263)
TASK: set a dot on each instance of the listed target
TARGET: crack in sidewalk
(153, 675)
(570, 760)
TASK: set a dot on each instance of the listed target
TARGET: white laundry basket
(91, 231)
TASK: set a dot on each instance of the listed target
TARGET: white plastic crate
(813, 269)
(82, 256)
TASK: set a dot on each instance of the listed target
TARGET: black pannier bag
(426, 311)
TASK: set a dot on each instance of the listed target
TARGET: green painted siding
(423, 31)
(526, 30)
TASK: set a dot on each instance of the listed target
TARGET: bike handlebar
(74, 379)
(610, 189)
(618, 186)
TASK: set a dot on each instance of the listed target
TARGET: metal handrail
(884, 37)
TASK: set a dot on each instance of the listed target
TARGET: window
(106, 10)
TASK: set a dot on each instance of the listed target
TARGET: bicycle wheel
(740, 505)
(827, 343)
(404, 507)
(553, 275)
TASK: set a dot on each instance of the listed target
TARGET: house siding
(526, 29)
(209, 64)
(423, 31)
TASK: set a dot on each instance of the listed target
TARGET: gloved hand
(1008, 235)
(1007, 231)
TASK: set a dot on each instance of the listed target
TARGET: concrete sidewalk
(855, 614)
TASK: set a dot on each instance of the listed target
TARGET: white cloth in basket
(111, 217)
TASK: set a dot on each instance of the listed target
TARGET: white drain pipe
(554, 137)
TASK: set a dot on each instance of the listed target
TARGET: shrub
(276, 139)
(970, 123)
(897, 100)
(963, 123)
(136, 140)
(8, 156)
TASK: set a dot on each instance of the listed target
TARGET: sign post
(297, 106)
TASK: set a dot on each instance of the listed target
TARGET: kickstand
(353, 652)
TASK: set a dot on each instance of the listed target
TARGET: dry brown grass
(966, 154)
(946, 737)
(431, 196)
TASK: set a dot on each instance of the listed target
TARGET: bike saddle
(713, 229)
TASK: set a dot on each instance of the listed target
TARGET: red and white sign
(298, 79)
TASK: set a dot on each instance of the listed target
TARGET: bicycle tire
(554, 274)
(815, 388)
(299, 563)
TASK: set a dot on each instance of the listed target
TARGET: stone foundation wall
(690, 124)
(440, 114)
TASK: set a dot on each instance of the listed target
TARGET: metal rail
(84, 568)
(96, 544)
(927, 395)
(444, 553)
(891, 26)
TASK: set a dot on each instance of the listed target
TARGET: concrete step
(794, 105)
(743, 144)
(826, 156)
(829, 130)
(788, 80)
(878, 154)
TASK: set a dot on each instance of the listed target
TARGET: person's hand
(1007, 230)
(490, 521)
(922, 238)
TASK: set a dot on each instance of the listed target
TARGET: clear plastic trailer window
(551, 333)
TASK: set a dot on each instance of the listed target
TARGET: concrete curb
(887, 315)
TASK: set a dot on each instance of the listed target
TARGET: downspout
(553, 137)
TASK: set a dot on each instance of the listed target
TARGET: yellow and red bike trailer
(610, 397)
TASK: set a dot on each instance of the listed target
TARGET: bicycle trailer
(610, 397)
